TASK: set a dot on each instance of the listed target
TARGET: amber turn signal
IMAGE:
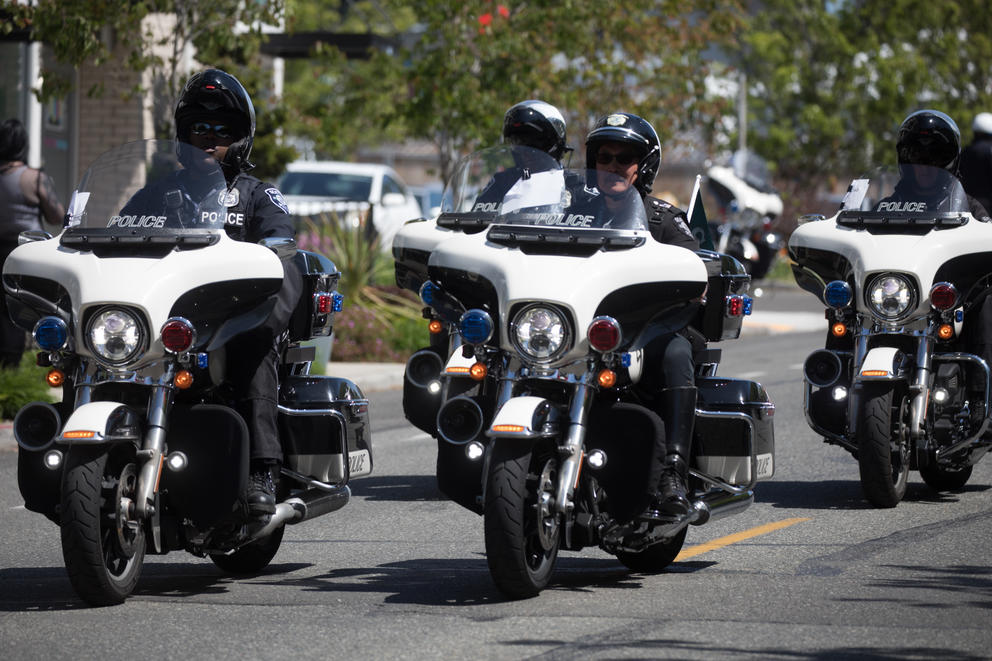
(838, 330)
(435, 327)
(478, 371)
(183, 380)
(945, 331)
(55, 378)
(606, 378)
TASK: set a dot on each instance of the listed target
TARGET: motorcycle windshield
(525, 187)
(912, 197)
(149, 188)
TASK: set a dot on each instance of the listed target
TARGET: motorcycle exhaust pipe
(36, 425)
(309, 505)
(423, 368)
(459, 420)
(717, 505)
(822, 368)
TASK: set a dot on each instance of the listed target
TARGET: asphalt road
(807, 572)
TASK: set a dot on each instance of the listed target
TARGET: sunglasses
(625, 158)
(219, 130)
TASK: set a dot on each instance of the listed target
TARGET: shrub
(21, 385)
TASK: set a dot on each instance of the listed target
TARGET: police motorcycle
(131, 306)
(540, 300)
(896, 383)
(748, 204)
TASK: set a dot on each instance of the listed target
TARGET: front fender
(524, 418)
(100, 422)
(883, 364)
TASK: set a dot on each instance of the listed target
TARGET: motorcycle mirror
(283, 247)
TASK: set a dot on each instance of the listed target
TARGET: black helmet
(214, 94)
(929, 137)
(632, 130)
(535, 124)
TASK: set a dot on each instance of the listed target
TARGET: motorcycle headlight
(115, 335)
(890, 296)
(540, 333)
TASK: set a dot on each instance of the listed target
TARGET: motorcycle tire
(883, 464)
(944, 478)
(250, 558)
(654, 558)
(102, 550)
(519, 561)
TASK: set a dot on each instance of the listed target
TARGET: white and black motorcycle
(748, 205)
(132, 306)
(542, 296)
(898, 385)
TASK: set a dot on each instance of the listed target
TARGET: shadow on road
(844, 494)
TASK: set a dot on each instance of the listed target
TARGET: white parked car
(350, 190)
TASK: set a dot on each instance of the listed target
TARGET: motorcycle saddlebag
(726, 277)
(311, 318)
(315, 414)
(720, 444)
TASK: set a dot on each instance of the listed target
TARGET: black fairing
(215, 439)
(411, 267)
(826, 265)
(649, 309)
(221, 310)
(471, 290)
(26, 313)
(965, 271)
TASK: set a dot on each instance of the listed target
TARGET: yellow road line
(720, 542)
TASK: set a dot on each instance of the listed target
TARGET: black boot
(261, 491)
(679, 413)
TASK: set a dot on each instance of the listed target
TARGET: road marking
(720, 542)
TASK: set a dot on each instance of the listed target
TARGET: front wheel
(654, 558)
(883, 449)
(945, 478)
(103, 547)
(521, 529)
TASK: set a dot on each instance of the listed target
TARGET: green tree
(153, 37)
(830, 82)
(457, 68)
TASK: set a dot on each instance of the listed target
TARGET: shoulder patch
(276, 196)
(682, 225)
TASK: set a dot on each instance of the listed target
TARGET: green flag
(697, 218)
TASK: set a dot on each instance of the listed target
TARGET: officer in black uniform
(628, 146)
(215, 114)
(976, 161)
(535, 124)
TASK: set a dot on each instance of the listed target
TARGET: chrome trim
(715, 481)
(343, 437)
(974, 439)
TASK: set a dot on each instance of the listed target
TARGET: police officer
(536, 124)
(976, 161)
(216, 115)
(628, 146)
(931, 139)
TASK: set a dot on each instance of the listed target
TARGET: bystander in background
(27, 198)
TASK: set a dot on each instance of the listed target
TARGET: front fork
(151, 454)
(571, 450)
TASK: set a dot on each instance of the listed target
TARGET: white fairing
(919, 255)
(576, 283)
(766, 204)
(150, 284)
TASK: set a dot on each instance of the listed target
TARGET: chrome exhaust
(309, 505)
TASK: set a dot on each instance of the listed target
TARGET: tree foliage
(830, 82)
(459, 65)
